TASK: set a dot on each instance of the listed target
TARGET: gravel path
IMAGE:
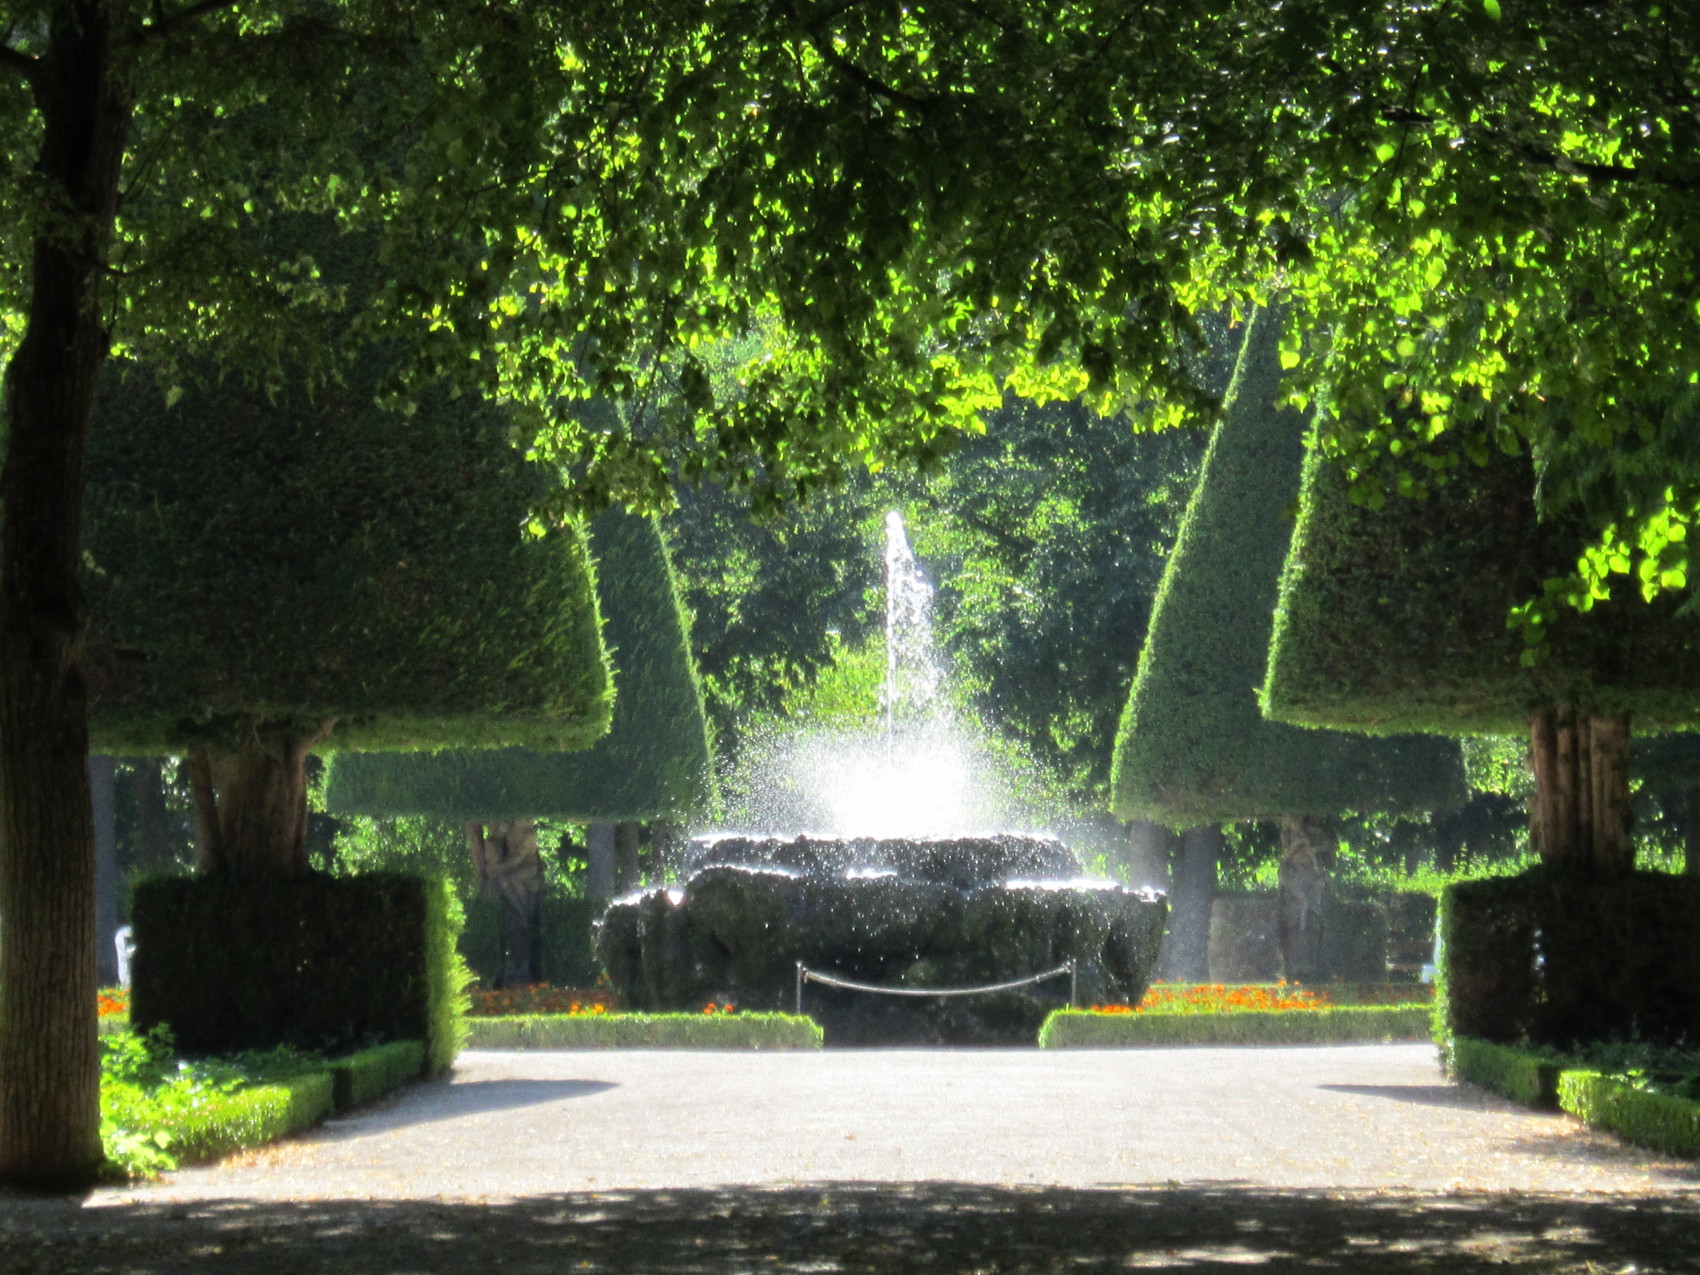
(973, 1162)
(513, 1124)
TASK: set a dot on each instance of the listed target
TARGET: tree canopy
(1194, 746)
(653, 763)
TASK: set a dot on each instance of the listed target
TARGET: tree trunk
(1150, 846)
(153, 821)
(251, 804)
(1306, 854)
(628, 846)
(49, 1058)
(1186, 952)
(1580, 815)
(599, 862)
(103, 776)
(510, 870)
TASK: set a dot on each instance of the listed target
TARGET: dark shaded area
(936, 1227)
(1559, 958)
(1421, 1095)
(465, 1098)
(327, 963)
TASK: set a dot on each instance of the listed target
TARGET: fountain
(893, 889)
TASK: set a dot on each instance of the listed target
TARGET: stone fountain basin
(735, 931)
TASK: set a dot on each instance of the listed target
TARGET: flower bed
(113, 1009)
(1302, 1025)
(1648, 1097)
(715, 1028)
(539, 998)
(1235, 998)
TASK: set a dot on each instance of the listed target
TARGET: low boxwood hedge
(644, 1031)
(1517, 1074)
(251, 1117)
(1662, 1122)
(372, 1073)
(1344, 1024)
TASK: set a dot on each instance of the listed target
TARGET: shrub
(1663, 1122)
(1517, 1074)
(646, 1031)
(251, 1117)
(1083, 1029)
(372, 1073)
(321, 963)
(1561, 959)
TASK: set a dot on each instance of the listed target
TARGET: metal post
(1073, 985)
(799, 987)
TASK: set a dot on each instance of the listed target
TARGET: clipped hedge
(645, 1031)
(372, 1073)
(1512, 1073)
(1662, 1122)
(252, 1117)
(1345, 1024)
(299, 553)
(1193, 745)
(1393, 619)
(1559, 958)
(322, 963)
(652, 764)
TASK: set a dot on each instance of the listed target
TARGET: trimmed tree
(1194, 747)
(272, 574)
(1395, 619)
(654, 763)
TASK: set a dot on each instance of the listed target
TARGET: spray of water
(917, 770)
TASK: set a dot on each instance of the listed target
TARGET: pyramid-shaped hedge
(1194, 746)
(654, 761)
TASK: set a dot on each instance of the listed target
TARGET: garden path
(518, 1123)
(960, 1162)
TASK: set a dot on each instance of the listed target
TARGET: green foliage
(1193, 746)
(158, 1112)
(1046, 537)
(1082, 1029)
(646, 1031)
(1396, 619)
(372, 1073)
(652, 764)
(318, 963)
(306, 557)
(1623, 1104)
(1518, 1074)
(1570, 960)
(1660, 1121)
(565, 956)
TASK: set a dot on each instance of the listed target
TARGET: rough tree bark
(510, 870)
(1186, 952)
(628, 850)
(251, 804)
(49, 1068)
(1306, 853)
(1149, 849)
(599, 862)
(1579, 816)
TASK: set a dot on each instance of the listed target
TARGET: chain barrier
(807, 975)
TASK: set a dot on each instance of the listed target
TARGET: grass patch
(644, 1031)
(1350, 1024)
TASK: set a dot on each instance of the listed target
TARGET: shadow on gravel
(1422, 1095)
(465, 1098)
(935, 1227)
